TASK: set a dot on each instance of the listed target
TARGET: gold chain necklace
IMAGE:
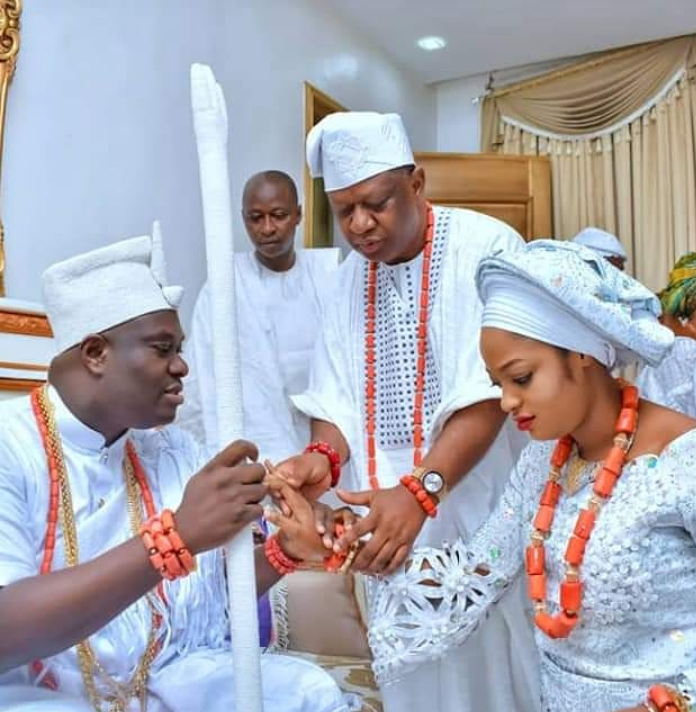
(577, 467)
(575, 473)
(120, 694)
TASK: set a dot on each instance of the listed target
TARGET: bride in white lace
(610, 552)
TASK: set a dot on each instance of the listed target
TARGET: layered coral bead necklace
(571, 590)
(371, 360)
(61, 510)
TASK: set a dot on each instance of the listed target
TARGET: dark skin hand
(396, 518)
(325, 518)
(311, 472)
(43, 615)
(303, 522)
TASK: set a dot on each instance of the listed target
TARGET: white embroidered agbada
(672, 383)
(497, 669)
(194, 670)
(638, 618)
(278, 315)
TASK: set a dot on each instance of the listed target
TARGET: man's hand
(395, 520)
(326, 520)
(310, 473)
(221, 499)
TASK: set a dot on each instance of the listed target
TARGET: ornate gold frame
(10, 11)
(22, 376)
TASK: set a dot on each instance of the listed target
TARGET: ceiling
(495, 34)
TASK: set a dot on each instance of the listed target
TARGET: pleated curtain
(620, 131)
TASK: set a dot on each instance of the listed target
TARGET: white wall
(99, 138)
(458, 121)
(99, 135)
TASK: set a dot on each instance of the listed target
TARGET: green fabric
(679, 296)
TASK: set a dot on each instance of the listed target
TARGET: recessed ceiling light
(431, 43)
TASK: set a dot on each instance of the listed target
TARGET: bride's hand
(298, 536)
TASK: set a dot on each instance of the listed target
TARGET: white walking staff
(210, 123)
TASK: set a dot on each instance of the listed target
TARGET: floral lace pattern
(638, 621)
(398, 302)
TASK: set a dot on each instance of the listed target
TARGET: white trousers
(203, 682)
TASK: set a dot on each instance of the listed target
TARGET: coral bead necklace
(571, 590)
(371, 361)
(61, 510)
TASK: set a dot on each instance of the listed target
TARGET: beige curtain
(620, 131)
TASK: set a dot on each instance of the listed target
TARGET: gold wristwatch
(433, 483)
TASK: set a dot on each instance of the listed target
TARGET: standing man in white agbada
(279, 293)
(398, 386)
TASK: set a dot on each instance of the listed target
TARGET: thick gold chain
(575, 473)
(120, 694)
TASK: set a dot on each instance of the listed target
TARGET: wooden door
(318, 219)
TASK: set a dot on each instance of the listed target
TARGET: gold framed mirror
(10, 11)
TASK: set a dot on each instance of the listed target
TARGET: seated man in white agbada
(112, 590)
(279, 293)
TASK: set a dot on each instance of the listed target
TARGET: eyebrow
(262, 211)
(509, 363)
(164, 336)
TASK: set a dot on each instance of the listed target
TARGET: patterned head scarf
(568, 296)
(679, 296)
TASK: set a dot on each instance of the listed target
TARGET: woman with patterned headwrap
(679, 297)
(672, 382)
(600, 509)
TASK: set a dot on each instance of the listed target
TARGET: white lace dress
(672, 383)
(638, 620)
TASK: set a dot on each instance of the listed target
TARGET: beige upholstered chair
(321, 617)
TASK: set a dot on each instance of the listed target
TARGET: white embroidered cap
(348, 147)
(601, 241)
(98, 290)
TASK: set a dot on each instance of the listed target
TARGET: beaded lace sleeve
(436, 601)
(683, 460)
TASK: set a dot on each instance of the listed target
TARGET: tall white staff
(210, 123)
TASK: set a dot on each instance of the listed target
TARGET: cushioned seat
(321, 617)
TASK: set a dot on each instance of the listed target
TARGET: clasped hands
(394, 519)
